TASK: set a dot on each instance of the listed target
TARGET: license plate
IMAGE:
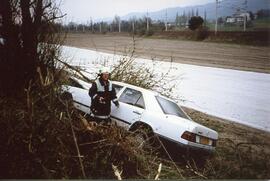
(204, 141)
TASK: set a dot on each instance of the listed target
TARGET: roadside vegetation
(44, 137)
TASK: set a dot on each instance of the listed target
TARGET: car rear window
(74, 83)
(170, 107)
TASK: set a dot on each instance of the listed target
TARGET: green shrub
(195, 22)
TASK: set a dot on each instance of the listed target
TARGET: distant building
(238, 18)
(230, 19)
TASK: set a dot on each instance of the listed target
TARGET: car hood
(193, 126)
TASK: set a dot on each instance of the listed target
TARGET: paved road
(229, 56)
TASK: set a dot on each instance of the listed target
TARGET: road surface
(229, 56)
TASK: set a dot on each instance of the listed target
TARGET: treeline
(148, 26)
(140, 26)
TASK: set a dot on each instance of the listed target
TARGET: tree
(132, 22)
(263, 13)
(195, 22)
(117, 23)
(252, 17)
(205, 17)
(220, 20)
(26, 23)
(177, 19)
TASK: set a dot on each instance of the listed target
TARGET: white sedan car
(144, 108)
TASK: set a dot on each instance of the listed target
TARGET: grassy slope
(242, 152)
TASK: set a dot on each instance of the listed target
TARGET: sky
(82, 10)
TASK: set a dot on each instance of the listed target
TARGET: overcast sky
(82, 10)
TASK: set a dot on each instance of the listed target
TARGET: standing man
(102, 93)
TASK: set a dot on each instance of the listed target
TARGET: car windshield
(117, 87)
(170, 107)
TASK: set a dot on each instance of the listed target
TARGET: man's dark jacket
(103, 89)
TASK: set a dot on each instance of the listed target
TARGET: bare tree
(26, 23)
(132, 21)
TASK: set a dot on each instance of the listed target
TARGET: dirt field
(230, 56)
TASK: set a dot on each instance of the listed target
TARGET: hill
(225, 8)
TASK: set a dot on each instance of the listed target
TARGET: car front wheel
(145, 138)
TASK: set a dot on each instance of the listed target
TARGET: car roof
(143, 90)
(147, 91)
(151, 103)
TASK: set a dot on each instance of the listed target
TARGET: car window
(117, 88)
(170, 107)
(140, 102)
(132, 97)
(74, 83)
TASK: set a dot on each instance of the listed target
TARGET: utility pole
(133, 26)
(216, 17)
(245, 22)
(100, 27)
(245, 17)
(184, 17)
(92, 28)
(176, 20)
(147, 22)
(166, 22)
(188, 18)
(119, 25)
(205, 18)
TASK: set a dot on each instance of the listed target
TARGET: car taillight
(189, 136)
(198, 139)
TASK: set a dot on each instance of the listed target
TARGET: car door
(131, 107)
(80, 95)
(81, 99)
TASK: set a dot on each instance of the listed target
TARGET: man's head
(104, 73)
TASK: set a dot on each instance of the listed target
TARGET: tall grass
(44, 136)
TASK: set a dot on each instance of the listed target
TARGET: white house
(238, 18)
(230, 19)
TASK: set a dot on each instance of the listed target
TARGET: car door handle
(137, 112)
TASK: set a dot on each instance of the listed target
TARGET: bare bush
(44, 136)
(146, 75)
